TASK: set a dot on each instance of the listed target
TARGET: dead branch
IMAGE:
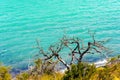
(78, 49)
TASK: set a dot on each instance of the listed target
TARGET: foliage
(118, 56)
(108, 72)
(56, 76)
(40, 71)
(26, 76)
(23, 76)
(4, 73)
(80, 71)
(43, 67)
(84, 71)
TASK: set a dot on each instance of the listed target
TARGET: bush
(22, 76)
(4, 73)
(80, 71)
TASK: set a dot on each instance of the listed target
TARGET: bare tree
(76, 47)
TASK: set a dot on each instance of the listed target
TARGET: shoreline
(59, 68)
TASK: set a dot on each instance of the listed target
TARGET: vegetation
(90, 72)
(4, 73)
(80, 71)
(77, 69)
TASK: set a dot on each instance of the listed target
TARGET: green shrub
(4, 73)
(23, 76)
(81, 71)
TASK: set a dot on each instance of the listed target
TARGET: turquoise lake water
(24, 21)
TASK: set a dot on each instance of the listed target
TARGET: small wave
(3, 51)
(101, 63)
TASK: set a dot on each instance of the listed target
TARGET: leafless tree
(76, 47)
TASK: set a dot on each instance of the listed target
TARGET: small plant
(22, 76)
(4, 73)
(118, 56)
(81, 71)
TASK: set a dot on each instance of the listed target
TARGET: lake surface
(24, 21)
